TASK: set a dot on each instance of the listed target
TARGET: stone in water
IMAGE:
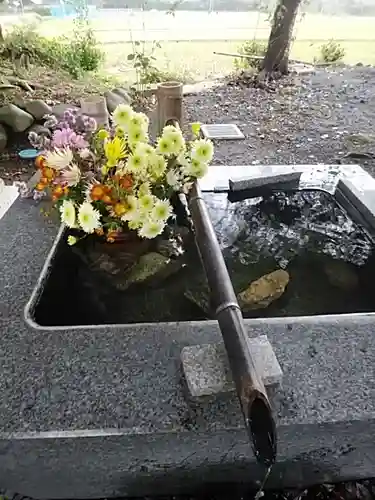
(264, 290)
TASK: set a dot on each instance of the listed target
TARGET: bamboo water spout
(252, 394)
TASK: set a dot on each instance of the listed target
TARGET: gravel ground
(315, 119)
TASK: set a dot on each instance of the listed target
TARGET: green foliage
(331, 52)
(76, 54)
(144, 63)
(250, 48)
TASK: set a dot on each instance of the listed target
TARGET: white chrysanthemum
(157, 165)
(174, 135)
(88, 217)
(202, 150)
(165, 145)
(144, 188)
(146, 202)
(85, 154)
(68, 213)
(144, 149)
(71, 176)
(122, 115)
(132, 209)
(150, 229)
(136, 163)
(173, 179)
(136, 135)
(196, 169)
(162, 210)
(140, 120)
(59, 158)
(182, 159)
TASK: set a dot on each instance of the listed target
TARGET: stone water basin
(289, 253)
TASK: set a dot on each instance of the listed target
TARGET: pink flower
(68, 138)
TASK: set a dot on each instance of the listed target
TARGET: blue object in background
(28, 154)
(67, 10)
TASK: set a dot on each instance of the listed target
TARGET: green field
(196, 59)
(189, 39)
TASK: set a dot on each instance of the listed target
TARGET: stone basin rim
(29, 308)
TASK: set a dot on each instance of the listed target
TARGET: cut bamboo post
(169, 104)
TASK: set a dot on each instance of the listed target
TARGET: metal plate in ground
(222, 131)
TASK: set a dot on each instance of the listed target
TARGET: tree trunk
(277, 54)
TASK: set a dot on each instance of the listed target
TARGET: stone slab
(207, 372)
(252, 182)
(100, 411)
(8, 195)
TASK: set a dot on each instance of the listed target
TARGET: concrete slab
(100, 411)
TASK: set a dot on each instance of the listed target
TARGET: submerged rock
(341, 275)
(264, 290)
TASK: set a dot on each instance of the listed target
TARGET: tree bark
(277, 54)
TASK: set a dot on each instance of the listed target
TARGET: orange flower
(98, 191)
(111, 236)
(99, 231)
(107, 199)
(57, 192)
(48, 173)
(40, 161)
(119, 209)
(126, 182)
(40, 186)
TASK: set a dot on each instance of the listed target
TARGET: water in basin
(328, 259)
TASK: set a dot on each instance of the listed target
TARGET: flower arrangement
(107, 181)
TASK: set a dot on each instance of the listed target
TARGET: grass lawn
(196, 59)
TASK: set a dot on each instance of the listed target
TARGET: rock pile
(25, 115)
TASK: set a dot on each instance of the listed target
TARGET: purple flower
(68, 138)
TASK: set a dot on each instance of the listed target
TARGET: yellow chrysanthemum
(114, 150)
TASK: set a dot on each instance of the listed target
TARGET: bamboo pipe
(251, 392)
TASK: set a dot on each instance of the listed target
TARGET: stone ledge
(207, 372)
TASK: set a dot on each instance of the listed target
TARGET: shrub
(250, 48)
(331, 52)
(76, 54)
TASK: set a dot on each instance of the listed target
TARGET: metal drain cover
(222, 131)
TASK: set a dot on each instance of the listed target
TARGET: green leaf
(130, 57)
